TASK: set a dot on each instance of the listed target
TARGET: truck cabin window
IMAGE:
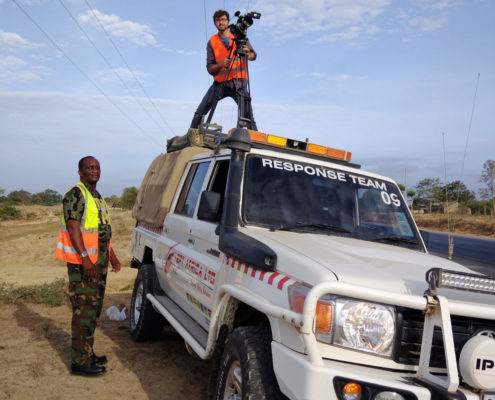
(292, 195)
(191, 190)
(218, 181)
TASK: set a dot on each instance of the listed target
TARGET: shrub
(8, 211)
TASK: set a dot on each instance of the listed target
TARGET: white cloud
(428, 24)
(133, 32)
(108, 76)
(12, 69)
(435, 4)
(349, 34)
(12, 41)
(328, 77)
(11, 62)
(293, 18)
(351, 20)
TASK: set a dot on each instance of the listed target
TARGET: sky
(407, 86)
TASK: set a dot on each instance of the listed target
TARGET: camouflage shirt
(73, 205)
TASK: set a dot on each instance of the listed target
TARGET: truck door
(194, 258)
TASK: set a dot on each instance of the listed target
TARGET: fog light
(388, 396)
(352, 391)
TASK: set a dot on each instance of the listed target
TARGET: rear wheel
(144, 322)
(246, 368)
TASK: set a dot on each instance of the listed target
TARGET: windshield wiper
(394, 239)
(299, 225)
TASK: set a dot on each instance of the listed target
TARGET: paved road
(475, 253)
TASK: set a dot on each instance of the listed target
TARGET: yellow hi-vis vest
(89, 229)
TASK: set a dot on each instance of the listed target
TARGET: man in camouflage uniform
(87, 281)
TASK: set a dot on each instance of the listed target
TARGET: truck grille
(410, 328)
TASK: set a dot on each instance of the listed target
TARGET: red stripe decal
(239, 265)
(281, 283)
(253, 272)
(246, 269)
(262, 275)
(272, 277)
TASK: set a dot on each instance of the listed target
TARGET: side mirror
(426, 236)
(209, 206)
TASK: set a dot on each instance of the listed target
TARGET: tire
(144, 322)
(246, 369)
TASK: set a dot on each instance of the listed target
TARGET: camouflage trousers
(86, 296)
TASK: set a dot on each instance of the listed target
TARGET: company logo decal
(200, 271)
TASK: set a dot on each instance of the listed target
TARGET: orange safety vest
(89, 230)
(238, 67)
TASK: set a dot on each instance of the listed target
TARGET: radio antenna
(465, 147)
(450, 251)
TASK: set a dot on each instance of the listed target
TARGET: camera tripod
(241, 87)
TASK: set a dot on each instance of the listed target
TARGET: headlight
(355, 324)
(364, 326)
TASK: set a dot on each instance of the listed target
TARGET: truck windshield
(291, 195)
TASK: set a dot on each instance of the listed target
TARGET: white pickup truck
(303, 277)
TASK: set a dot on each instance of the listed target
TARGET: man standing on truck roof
(218, 64)
(84, 242)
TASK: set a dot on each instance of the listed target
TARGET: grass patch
(127, 287)
(21, 230)
(54, 293)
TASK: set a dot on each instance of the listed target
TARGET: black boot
(99, 359)
(89, 369)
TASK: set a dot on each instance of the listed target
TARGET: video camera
(240, 27)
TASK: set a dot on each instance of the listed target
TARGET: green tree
(488, 178)
(19, 197)
(456, 190)
(428, 191)
(48, 197)
(113, 201)
(128, 197)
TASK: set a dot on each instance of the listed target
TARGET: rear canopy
(159, 185)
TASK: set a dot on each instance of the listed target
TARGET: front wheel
(144, 322)
(246, 368)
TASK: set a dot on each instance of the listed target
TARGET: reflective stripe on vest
(238, 67)
(89, 230)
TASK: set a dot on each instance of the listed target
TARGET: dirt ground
(34, 359)
(35, 338)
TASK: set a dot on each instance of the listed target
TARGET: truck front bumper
(299, 379)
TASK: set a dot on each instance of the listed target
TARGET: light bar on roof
(276, 140)
(300, 146)
(442, 278)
